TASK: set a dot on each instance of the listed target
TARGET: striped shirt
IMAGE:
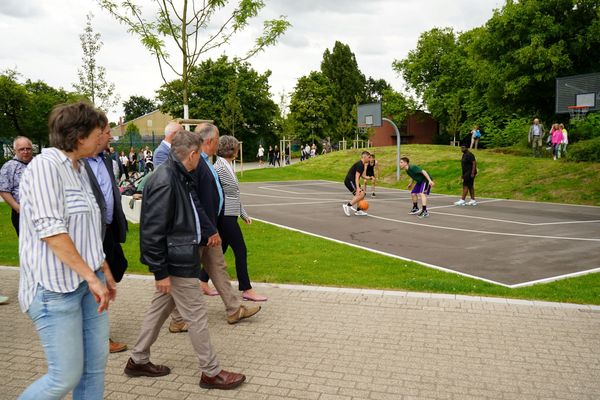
(56, 199)
(231, 189)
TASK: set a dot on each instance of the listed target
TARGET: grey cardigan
(231, 191)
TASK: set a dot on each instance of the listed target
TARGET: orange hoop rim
(578, 107)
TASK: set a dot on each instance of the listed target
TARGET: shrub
(510, 132)
(585, 150)
(585, 129)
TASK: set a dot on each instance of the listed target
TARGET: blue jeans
(75, 340)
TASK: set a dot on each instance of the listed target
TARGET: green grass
(280, 256)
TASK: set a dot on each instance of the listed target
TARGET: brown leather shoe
(176, 327)
(116, 347)
(242, 313)
(224, 380)
(148, 369)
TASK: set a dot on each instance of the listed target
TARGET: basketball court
(507, 242)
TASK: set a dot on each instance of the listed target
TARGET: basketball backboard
(369, 115)
(578, 90)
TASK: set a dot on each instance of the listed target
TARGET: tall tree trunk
(184, 75)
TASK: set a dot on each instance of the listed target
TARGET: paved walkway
(343, 344)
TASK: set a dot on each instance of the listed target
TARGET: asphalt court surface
(513, 243)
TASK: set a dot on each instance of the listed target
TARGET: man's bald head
(171, 129)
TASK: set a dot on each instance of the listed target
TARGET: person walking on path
(556, 140)
(114, 224)
(10, 177)
(65, 283)
(352, 183)
(565, 142)
(229, 229)
(535, 137)
(261, 155)
(422, 186)
(170, 234)
(469, 171)
(475, 136)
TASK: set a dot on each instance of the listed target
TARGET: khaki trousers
(186, 295)
(213, 263)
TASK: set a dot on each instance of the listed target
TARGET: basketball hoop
(578, 112)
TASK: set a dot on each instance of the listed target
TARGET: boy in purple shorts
(423, 184)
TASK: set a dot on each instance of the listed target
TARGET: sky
(40, 39)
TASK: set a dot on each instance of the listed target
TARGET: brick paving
(343, 344)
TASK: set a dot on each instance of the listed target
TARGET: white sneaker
(472, 203)
(360, 212)
(346, 209)
(461, 202)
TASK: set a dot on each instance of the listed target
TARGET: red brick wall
(420, 128)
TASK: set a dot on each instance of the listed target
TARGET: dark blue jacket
(208, 196)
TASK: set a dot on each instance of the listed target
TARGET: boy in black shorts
(352, 182)
(423, 184)
(371, 174)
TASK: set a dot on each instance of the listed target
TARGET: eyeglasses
(24, 149)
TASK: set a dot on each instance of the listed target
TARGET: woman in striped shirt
(65, 284)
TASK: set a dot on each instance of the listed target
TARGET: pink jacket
(557, 136)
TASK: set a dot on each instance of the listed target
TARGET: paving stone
(336, 344)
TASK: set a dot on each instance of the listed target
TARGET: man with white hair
(10, 176)
(162, 151)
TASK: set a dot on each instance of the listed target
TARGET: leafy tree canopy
(137, 106)
(214, 87)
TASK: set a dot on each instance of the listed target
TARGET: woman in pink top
(557, 138)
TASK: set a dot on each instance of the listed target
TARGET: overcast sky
(40, 39)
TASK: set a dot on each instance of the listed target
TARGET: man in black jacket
(170, 235)
(108, 197)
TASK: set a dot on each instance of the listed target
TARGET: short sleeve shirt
(467, 162)
(416, 173)
(10, 177)
(356, 167)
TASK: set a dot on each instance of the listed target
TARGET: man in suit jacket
(108, 197)
(162, 151)
(210, 196)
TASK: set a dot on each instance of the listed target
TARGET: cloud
(19, 8)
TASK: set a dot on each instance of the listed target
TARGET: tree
(137, 106)
(43, 98)
(374, 89)
(24, 108)
(92, 77)
(213, 84)
(231, 113)
(193, 30)
(310, 107)
(14, 103)
(347, 83)
(396, 106)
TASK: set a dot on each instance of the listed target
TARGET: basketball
(363, 205)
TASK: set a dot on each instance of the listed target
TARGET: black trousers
(14, 217)
(231, 235)
(114, 255)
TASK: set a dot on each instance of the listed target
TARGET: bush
(510, 132)
(585, 150)
(585, 129)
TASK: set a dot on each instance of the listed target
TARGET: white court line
(382, 253)
(436, 267)
(487, 232)
(556, 278)
(453, 205)
(568, 222)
